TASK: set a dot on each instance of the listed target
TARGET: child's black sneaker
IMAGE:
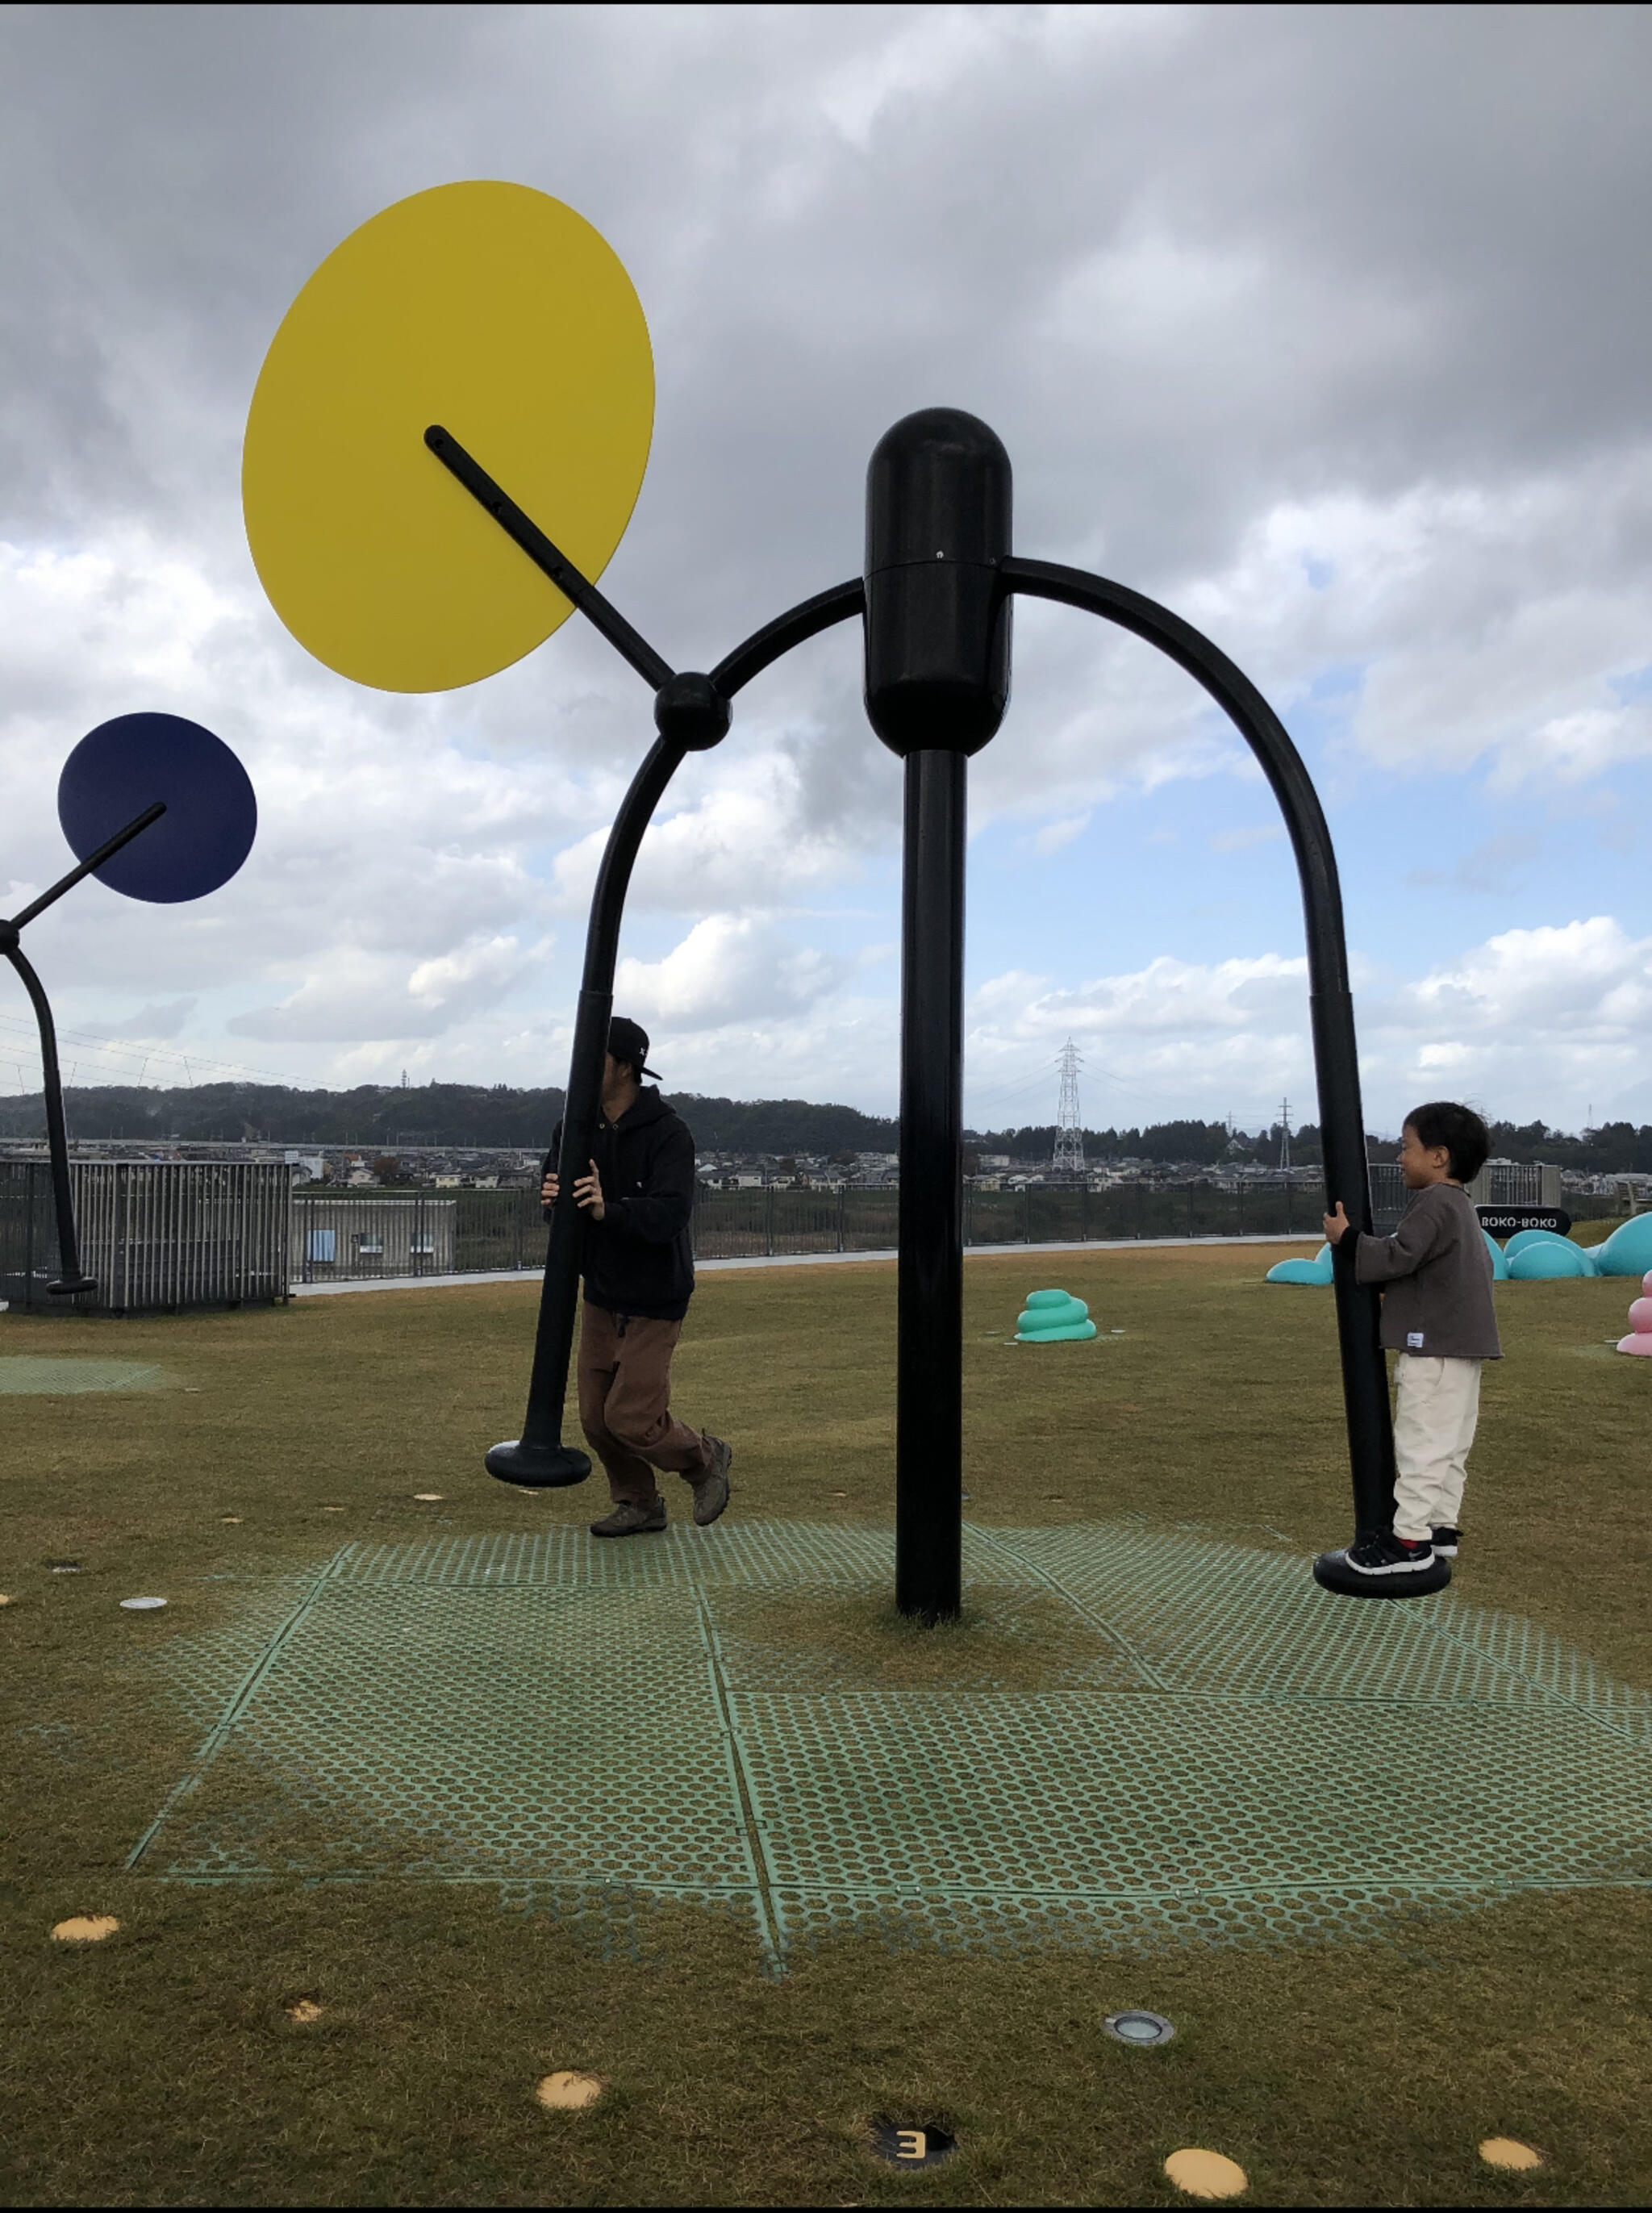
(1388, 1555)
(1447, 1542)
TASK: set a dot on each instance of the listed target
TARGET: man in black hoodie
(639, 1277)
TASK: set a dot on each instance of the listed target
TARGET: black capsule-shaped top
(938, 487)
(937, 619)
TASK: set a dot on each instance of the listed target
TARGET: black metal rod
(549, 559)
(928, 1408)
(1336, 1058)
(806, 621)
(105, 851)
(70, 1276)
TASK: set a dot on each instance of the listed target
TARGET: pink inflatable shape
(1640, 1320)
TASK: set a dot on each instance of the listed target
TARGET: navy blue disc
(125, 765)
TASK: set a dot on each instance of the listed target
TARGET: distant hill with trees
(380, 1117)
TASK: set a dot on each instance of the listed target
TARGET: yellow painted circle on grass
(86, 1928)
(305, 2011)
(500, 314)
(1206, 2173)
(568, 2090)
(1508, 2151)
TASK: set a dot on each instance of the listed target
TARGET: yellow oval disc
(1206, 2173)
(568, 2090)
(85, 1928)
(498, 312)
(1508, 2151)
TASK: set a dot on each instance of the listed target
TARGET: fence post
(1026, 1214)
(768, 1217)
(843, 1213)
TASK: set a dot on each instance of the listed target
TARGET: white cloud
(729, 969)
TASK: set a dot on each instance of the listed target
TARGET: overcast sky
(1329, 327)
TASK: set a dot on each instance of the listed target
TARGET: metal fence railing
(343, 1237)
(157, 1235)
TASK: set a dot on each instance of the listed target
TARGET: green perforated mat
(29, 1375)
(1156, 1733)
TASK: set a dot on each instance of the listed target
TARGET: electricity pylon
(1069, 1156)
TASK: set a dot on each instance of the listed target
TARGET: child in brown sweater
(1437, 1316)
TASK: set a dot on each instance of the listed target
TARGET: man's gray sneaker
(711, 1491)
(629, 1520)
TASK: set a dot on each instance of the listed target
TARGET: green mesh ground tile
(1129, 1798)
(205, 1668)
(554, 1734)
(773, 1554)
(1154, 1736)
(1210, 1615)
(44, 1375)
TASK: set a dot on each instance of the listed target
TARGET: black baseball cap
(629, 1042)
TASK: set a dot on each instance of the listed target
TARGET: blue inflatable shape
(1499, 1261)
(1546, 1263)
(124, 766)
(1316, 1271)
(1628, 1251)
(1522, 1238)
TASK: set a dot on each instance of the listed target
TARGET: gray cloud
(1329, 326)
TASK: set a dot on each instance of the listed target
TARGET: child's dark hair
(1459, 1128)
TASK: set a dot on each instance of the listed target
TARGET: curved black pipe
(692, 715)
(806, 621)
(1336, 1059)
(70, 1277)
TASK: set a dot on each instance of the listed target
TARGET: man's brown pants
(625, 1403)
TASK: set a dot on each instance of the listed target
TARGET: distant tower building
(1069, 1156)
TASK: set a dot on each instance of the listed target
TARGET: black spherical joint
(690, 710)
(938, 497)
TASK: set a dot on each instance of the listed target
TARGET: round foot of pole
(71, 1287)
(1332, 1572)
(538, 1467)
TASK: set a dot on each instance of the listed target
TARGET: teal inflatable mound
(1628, 1251)
(1053, 1318)
(1522, 1238)
(1499, 1265)
(1316, 1271)
(1547, 1262)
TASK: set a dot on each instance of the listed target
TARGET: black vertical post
(937, 681)
(929, 1405)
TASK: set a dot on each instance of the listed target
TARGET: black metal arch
(938, 676)
(539, 1454)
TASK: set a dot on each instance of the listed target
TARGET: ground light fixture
(1143, 2030)
(470, 369)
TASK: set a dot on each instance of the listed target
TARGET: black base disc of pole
(538, 1467)
(1332, 1572)
(71, 1287)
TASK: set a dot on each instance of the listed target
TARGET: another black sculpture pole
(72, 1278)
(937, 681)
(1336, 1058)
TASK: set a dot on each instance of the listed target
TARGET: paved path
(781, 1260)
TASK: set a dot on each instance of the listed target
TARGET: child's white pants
(1437, 1404)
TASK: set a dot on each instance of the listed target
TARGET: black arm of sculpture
(1336, 1059)
(70, 1277)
